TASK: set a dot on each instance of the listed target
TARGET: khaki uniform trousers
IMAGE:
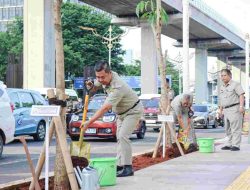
(125, 127)
(233, 125)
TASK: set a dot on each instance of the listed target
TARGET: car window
(150, 103)
(15, 100)
(1, 92)
(96, 103)
(38, 99)
(73, 98)
(200, 108)
(26, 99)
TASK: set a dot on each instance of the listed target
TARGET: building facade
(9, 10)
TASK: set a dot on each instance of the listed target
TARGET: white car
(7, 120)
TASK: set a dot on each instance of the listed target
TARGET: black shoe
(119, 168)
(226, 148)
(235, 148)
(127, 171)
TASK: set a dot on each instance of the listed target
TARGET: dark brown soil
(139, 162)
(146, 160)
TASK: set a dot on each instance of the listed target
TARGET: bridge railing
(201, 5)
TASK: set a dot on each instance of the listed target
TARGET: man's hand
(242, 110)
(85, 126)
(220, 113)
(89, 84)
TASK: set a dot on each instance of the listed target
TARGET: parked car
(204, 115)
(105, 127)
(7, 121)
(151, 110)
(22, 101)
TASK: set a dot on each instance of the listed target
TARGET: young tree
(61, 179)
(156, 16)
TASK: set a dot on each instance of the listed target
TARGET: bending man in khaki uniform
(181, 110)
(125, 103)
(232, 105)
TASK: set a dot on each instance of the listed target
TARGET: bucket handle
(102, 172)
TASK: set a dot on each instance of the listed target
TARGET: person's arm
(180, 121)
(106, 107)
(93, 86)
(242, 103)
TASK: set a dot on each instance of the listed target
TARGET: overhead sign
(78, 83)
(45, 110)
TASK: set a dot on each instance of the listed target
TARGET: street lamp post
(108, 38)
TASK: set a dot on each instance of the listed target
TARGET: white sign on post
(165, 118)
(46, 111)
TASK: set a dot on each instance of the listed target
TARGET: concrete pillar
(201, 87)
(185, 35)
(247, 73)
(149, 68)
(39, 47)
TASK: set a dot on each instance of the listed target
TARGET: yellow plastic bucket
(106, 168)
(206, 144)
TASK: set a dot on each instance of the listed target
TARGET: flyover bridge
(209, 34)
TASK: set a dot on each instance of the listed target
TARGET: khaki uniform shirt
(171, 94)
(230, 93)
(120, 95)
(177, 107)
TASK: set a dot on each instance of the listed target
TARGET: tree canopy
(81, 48)
(11, 42)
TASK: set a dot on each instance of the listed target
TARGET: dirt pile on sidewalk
(146, 160)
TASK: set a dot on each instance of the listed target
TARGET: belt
(231, 105)
(130, 108)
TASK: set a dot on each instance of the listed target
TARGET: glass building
(9, 10)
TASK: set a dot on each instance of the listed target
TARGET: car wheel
(1, 145)
(156, 129)
(40, 132)
(215, 124)
(75, 138)
(207, 124)
(114, 139)
(142, 131)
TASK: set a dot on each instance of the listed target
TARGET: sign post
(46, 111)
(165, 119)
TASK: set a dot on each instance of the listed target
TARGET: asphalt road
(14, 166)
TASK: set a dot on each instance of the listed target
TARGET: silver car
(204, 115)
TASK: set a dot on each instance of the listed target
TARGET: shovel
(80, 148)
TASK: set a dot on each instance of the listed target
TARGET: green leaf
(140, 8)
(164, 16)
(152, 6)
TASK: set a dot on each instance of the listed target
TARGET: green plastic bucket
(106, 168)
(206, 144)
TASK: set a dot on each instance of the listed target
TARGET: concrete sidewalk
(196, 171)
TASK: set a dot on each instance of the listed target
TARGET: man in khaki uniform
(181, 110)
(232, 105)
(123, 101)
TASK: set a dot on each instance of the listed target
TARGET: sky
(236, 11)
